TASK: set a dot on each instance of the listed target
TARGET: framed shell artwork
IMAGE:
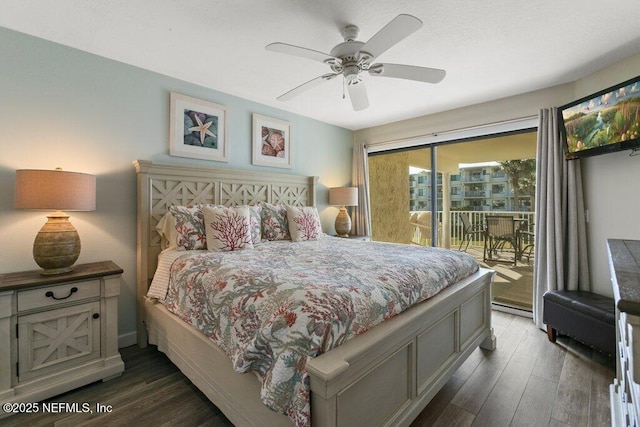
(271, 142)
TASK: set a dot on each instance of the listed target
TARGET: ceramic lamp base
(57, 245)
(343, 223)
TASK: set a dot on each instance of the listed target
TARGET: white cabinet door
(54, 340)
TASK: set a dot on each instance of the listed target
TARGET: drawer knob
(96, 315)
(50, 294)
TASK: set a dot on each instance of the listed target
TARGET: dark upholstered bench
(584, 316)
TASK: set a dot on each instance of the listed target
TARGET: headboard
(162, 185)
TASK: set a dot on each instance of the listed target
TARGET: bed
(384, 376)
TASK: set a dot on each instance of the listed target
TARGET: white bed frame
(385, 376)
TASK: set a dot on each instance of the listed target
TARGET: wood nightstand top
(354, 237)
(33, 278)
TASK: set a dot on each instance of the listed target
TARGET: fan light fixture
(351, 57)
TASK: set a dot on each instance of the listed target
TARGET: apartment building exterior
(477, 188)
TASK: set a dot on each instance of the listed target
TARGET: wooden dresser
(624, 261)
(58, 332)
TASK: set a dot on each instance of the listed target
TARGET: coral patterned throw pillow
(304, 223)
(190, 233)
(275, 225)
(227, 229)
(255, 220)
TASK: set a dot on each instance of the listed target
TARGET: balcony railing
(457, 227)
(476, 178)
(475, 193)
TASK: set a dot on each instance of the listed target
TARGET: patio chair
(469, 230)
(526, 240)
(413, 227)
(423, 228)
(500, 230)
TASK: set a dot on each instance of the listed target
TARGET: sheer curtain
(561, 242)
(360, 179)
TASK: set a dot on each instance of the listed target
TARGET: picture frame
(271, 142)
(198, 129)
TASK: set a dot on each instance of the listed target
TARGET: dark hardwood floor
(526, 381)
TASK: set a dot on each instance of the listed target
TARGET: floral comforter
(273, 307)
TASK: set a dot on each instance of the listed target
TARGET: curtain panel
(361, 214)
(560, 261)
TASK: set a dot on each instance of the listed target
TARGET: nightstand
(361, 238)
(58, 332)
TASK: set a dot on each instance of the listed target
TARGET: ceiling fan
(351, 57)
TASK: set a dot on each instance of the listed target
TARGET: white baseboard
(127, 340)
(512, 310)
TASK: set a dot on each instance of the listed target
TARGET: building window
(498, 189)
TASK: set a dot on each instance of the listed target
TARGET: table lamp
(343, 196)
(57, 244)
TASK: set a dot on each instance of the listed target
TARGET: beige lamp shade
(57, 244)
(343, 196)
(54, 190)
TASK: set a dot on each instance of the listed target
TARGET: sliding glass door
(435, 195)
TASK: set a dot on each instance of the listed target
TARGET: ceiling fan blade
(409, 72)
(400, 27)
(306, 86)
(303, 52)
(358, 95)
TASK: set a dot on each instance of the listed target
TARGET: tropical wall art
(271, 142)
(197, 129)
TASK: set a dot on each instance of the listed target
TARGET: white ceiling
(490, 49)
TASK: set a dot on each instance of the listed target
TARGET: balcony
(513, 285)
(475, 193)
(475, 178)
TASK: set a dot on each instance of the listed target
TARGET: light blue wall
(64, 107)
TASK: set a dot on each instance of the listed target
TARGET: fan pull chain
(344, 83)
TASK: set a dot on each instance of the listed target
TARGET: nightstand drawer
(58, 294)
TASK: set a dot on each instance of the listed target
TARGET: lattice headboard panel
(161, 186)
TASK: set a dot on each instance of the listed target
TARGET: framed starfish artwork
(271, 142)
(197, 129)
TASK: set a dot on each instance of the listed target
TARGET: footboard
(383, 377)
(388, 375)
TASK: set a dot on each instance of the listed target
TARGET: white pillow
(227, 228)
(304, 223)
(167, 229)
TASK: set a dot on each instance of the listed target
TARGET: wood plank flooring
(512, 285)
(526, 381)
